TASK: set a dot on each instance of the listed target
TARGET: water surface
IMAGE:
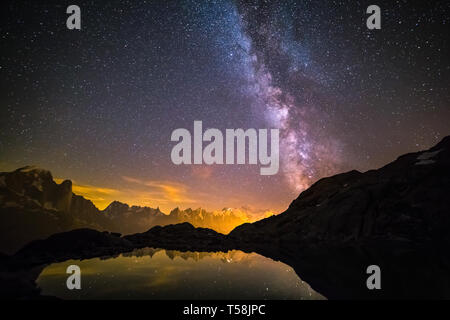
(166, 274)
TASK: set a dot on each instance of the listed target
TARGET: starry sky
(98, 105)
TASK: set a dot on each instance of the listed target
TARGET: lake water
(165, 274)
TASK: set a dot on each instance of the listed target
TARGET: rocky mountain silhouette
(33, 206)
(404, 201)
(130, 219)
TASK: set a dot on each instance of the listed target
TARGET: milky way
(304, 154)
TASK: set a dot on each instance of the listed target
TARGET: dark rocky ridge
(88, 243)
(406, 201)
(183, 236)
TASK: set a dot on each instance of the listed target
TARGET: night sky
(98, 105)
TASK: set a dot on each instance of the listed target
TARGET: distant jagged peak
(188, 211)
(66, 183)
(140, 208)
(202, 213)
(117, 204)
(117, 207)
(174, 211)
(37, 173)
(30, 177)
(33, 169)
(199, 210)
(159, 212)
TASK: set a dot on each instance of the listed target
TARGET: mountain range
(33, 206)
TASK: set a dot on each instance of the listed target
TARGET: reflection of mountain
(226, 257)
(34, 206)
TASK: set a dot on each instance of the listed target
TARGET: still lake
(168, 274)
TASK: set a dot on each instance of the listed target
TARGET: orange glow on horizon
(163, 194)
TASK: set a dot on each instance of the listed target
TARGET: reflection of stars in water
(249, 276)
